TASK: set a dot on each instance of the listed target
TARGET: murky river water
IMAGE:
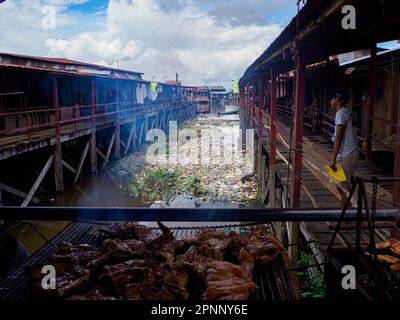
(211, 157)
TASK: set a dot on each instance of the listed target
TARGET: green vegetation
(312, 286)
(161, 183)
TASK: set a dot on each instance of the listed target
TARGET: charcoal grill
(273, 283)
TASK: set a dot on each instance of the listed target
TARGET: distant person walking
(345, 150)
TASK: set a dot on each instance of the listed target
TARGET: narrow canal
(197, 165)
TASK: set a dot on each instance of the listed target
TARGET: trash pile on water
(203, 163)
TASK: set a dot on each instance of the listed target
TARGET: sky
(207, 42)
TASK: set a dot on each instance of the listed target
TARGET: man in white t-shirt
(345, 150)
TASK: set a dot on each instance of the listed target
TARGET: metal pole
(186, 214)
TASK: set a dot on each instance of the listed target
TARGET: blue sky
(91, 6)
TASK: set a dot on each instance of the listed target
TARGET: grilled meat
(232, 249)
(387, 244)
(395, 249)
(216, 239)
(263, 250)
(395, 267)
(388, 259)
(227, 281)
(127, 230)
(71, 282)
(138, 263)
(121, 274)
(197, 259)
(66, 256)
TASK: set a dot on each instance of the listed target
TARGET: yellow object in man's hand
(337, 174)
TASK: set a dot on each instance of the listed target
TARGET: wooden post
(130, 138)
(260, 169)
(93, 144)
(58, 170)
(396, 191)
(272, 139)
(370, 113)
(38, 181)
(108, 152)
(17, 193)
(117, 148)
(297, 158)
(81, 161)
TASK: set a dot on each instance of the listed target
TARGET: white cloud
(145, 37)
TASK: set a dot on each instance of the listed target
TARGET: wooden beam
(17, 192)
(38, 181)
(81, 161)
(68, 166)
(101, 154)
(129, 139)
(108, 152)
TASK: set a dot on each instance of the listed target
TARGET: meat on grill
(127, 230)
(135, 262)
(228, 281)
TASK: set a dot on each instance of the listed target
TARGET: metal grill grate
(272, 284)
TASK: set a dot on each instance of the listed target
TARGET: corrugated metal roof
(64, 65)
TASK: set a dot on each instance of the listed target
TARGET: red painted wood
(56, 107)
(298, 131)
(272, 116)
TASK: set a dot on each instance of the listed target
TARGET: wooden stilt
(93, 152)
(108, 152)
(81, 161)
(141, 133)
(117, 149)
(117, 134)
(16, 192)
(129, 140)
(38, 181)
(101, 154)
(68, 166)
(58, 170)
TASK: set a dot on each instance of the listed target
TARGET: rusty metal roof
(319, 33)
(63, 65)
